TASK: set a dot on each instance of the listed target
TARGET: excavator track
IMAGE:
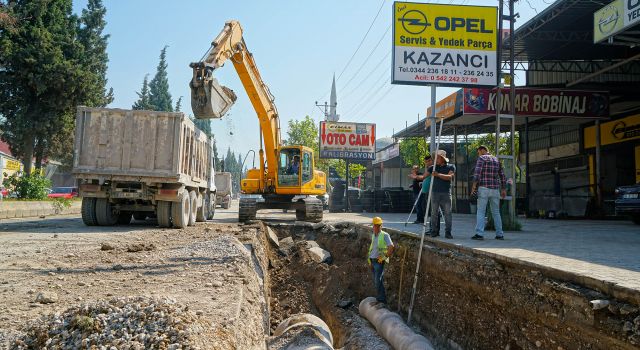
(247, 210)
(312, 210)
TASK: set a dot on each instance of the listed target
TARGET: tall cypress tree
(90, 34)
(43, 77)
(178, 104)
(160, 98)
(143, 102)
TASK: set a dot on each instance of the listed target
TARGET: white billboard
(340, 140)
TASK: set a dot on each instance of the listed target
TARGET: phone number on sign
(447, 78)
(447, 71)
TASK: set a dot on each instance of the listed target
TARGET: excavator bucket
(209, 99)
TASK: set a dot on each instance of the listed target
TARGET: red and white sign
(347, 140)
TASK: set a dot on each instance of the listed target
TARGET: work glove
(380, 260)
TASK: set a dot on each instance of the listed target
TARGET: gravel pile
(120, 323)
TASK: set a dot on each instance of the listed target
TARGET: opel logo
(608, 19)
(414, 22)
(619, 130)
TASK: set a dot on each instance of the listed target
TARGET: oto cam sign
(614, 18)
(347, 140)
(446, 45)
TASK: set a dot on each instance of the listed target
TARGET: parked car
(628, 202)
(63, 192)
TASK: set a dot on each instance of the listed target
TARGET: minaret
(333, 102)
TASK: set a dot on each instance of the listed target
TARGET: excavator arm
(209, 99)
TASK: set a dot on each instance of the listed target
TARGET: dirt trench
(301, 285)
(464, 299)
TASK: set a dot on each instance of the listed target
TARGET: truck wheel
(210, 202)
(104, 213)
(140, 215)
(163, 210)
(202, 212)
(89, 211)
(193, 201)
(180, 211)
(124, 218)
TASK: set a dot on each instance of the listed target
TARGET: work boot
(434, 234)
(448, 235)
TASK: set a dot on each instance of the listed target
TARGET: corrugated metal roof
(564, 31)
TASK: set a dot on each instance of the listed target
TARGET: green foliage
(60, 204)
(143, 102)
(178, 104)
(204, 125)
(51, 62)
(489, 140)
(159, 96)
(303, 132)
(32, 186)
(413, 150)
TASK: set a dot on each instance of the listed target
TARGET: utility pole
(513, 157)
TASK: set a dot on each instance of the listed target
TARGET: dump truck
(134, 163)
(223, 189)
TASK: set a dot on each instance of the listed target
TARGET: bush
(34, 186)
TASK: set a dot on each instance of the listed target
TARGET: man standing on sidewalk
(441, 194)
(380, 249)
(415, 187)
(490, 183)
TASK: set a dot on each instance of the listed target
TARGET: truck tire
(140, 215)
(201, 213)
(211, 204)
(247, 209)
(89, 211)
(163, 210)
(180, 211)
(104, 213)
(124, 218)
(193, 203)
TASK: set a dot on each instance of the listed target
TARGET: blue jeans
(492, 197)
(378, 277)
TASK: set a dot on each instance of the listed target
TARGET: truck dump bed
(133, 145)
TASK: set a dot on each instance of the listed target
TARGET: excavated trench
(464, 299)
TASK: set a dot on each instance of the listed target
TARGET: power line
(364, 96)
(368, 57)
(359, 45)
(368, 75)
(373, 93)
(377, 102)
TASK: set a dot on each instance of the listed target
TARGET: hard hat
(377, 220)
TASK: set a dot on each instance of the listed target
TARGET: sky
(298, 46)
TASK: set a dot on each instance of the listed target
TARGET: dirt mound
(131, 323)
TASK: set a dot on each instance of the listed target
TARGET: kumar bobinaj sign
(347, 140)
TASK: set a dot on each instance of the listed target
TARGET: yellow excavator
(289, 180)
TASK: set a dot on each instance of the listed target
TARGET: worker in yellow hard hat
(380, 249)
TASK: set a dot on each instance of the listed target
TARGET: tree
(178, 104)
(95, 57)
(159, 96)
(44, 76)
(413, 150)
(143, 102)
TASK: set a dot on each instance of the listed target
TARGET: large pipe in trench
(306, 331)
(391, 327)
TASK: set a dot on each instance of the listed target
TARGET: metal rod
(424, 226)
(598, 159)
(604, 70)
(512, 98)
(432, 117)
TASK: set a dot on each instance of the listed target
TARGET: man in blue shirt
(295, 166)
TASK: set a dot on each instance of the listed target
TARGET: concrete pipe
(391, 327)
(306, 329)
